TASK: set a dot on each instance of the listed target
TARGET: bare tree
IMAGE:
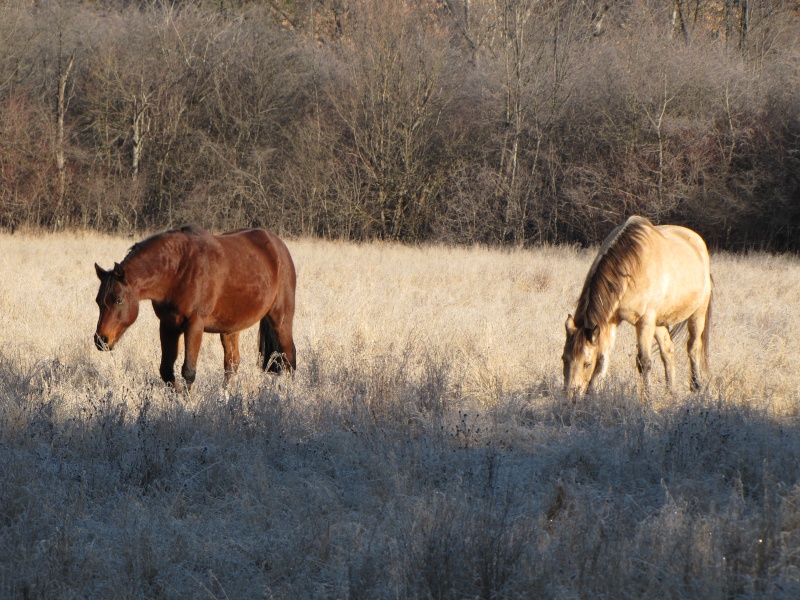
(61, 109)
(390, 102)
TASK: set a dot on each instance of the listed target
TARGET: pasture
(423, 448)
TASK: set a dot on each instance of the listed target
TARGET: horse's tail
(272, 357)
(678, 333)
(707, 329)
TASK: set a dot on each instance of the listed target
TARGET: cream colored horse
(654, 278)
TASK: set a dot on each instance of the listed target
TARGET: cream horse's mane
(619, 259)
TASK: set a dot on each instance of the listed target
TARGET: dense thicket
(494, 121)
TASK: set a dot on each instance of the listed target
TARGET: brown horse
(200, 282)
(654, 278)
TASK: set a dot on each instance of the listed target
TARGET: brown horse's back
(244, 274)
(276, 254)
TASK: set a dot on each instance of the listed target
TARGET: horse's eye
(118, 300)
(587, 364)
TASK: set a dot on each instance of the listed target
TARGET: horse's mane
(187, 230)
(620, 257)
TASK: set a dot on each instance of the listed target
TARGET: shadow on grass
(382, 480)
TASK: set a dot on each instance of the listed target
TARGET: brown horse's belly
(230, 322)
(214, 323)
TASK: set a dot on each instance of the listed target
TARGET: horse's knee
(231, 368)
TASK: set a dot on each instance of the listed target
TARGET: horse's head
(119, 306)
(580, 357)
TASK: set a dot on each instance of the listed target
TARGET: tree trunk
(61, 109)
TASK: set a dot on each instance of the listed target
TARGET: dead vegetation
(514, 122)
(423, 448)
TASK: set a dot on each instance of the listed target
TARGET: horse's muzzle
(101, 342)
(575, 393)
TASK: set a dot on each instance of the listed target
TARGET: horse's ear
(119, 272)
(593, 334)
(101, 272)
(570, 325)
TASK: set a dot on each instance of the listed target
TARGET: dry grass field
(422, 450)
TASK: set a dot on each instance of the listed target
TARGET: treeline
(468, 121)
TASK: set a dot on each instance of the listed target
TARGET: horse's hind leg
(230, 346)
(283, 331)
(275, 331)
(697, 353)
(645, 330)
(667, 349)
(276, 344)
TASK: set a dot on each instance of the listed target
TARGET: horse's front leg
(230, 347)
(169, 353)
(605, 345)
(645, 330)
(193, 339)
(667, 349)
